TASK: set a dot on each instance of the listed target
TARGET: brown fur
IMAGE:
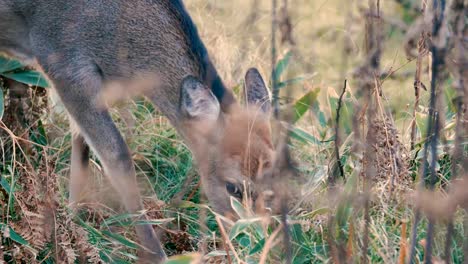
(90, 49)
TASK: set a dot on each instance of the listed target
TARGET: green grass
(102, 230)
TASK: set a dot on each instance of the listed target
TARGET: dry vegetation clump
(72, 241)
(40, 217)
(391, 157)
(36, 203)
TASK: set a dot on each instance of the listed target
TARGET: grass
(38, 227)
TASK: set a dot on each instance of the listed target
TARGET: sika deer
(83, 45)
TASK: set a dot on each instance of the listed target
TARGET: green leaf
(238, 208)
(90, 229)
(184, 259)
(290, 82)
(39, 136)
(118, 219)
(154, 221)
(282, 65)
(258, 247)
(450, 95)
(121, 239)
(421, 123)
(7, 65)
(303, 136)
(241, 225)
(304, 103)
(33, 78)
(130, 219)
(244, 241)
(2, 104)
(6, 186)
(316, 212)
(319, 114)
(13, 235)
(346, 111)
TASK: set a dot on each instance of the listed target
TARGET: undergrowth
(325, 224)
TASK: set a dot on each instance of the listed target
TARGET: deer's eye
(234, 190)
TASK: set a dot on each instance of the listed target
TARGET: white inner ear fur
(203, 104)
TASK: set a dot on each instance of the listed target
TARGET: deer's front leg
(81, 99)
(79, 169)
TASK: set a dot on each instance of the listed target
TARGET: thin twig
(269, 244)
(332, 177)
(227, 242)
(285, 26)
(417, 76)
(438, 54)
(274, 80)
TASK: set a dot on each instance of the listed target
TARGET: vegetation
(380, 171)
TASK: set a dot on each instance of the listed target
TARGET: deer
(83, 45)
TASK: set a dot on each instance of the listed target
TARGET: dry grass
(326, 225)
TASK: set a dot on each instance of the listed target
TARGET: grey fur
(82, 45)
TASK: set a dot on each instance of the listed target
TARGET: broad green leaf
(345, 112)
(258, 247)
(13, 235)
(421, 123)
(322, 119)
(39, 136)
(244, 241)
(6, 186)
(90, 229)
(33, 78)
(303, 136)
(7, 65)
(304, 103)
(238, 208)
(282, 65)
(105, 256)
(290, 82)
(184, 259)
(241, 225)
(295, 80)
(319, 114)
(450, 95)
(2, 104)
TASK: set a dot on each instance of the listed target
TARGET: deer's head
(233, 149)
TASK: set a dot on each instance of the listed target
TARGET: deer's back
(121, 37)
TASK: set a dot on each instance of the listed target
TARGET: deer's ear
(255, 90)
(197, 101)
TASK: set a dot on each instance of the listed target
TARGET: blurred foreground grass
(237, 34)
